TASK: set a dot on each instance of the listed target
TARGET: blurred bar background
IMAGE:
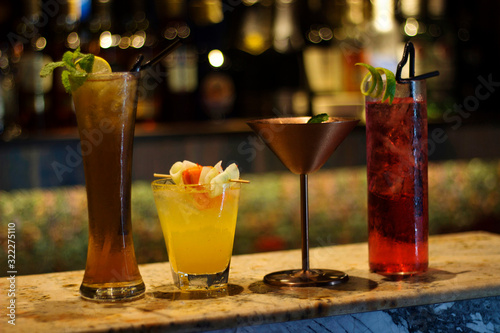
(243, 59)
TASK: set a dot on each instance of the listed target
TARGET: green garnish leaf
(68, 59)
(319, 118)
(73, 76)
(49, 68)
(65, 80)
(86, 62)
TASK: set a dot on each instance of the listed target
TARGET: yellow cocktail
(198, 224)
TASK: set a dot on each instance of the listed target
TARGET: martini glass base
(306, 278)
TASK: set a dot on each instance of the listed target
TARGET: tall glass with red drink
(397, 181)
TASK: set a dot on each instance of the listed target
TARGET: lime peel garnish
(376, 87)
(77, 74)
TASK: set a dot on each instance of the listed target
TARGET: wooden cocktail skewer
(162, 175)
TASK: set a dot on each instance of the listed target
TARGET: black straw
(137, 64)
(171, 47)
(409, 51)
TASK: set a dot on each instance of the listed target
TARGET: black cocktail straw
(137, 65)
(409, 51)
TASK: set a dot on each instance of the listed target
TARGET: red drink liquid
(397, 186)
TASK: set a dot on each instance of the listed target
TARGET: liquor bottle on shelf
(266, 60)
(217, 91)
(9, 108)
(103, 39)
(322, 61)
(255, 28)
(426, 24)
(205, 12)
(287, 36)
(439, 54)
(139, 35)
(291, 91)
(180, 84)
(29, 44)
(319, 58)
(66, 34)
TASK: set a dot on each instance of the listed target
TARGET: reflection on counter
(51, 225)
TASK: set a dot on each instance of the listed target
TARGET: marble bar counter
(460, 291)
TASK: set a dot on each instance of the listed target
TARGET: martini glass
(303, 148)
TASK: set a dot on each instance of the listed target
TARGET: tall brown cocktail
(105, 108)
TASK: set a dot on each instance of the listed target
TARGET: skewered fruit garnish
(190, 173)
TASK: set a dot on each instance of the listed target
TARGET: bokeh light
(216, 58)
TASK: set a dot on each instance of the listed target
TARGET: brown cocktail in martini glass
(303, 148)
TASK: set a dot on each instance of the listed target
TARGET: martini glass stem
(304, 211)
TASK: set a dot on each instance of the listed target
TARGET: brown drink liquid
(105, 107)
(397, 186)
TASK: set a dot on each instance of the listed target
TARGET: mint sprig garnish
(73, 76)
(319, 118)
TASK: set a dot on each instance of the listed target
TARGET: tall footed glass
(105, 108)
(304, 148)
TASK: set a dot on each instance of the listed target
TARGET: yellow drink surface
(198, 229)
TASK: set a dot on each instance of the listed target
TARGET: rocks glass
(198, 223)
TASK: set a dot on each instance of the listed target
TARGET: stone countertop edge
(462, 266)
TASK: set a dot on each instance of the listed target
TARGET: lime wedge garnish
(100, 66)
(319, 118)
(375, 86)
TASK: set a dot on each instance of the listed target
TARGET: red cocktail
(397, 181)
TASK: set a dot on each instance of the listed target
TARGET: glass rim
(410, 82)
(158, 182)
(301, 120)
(111, 76)
(417, 89)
